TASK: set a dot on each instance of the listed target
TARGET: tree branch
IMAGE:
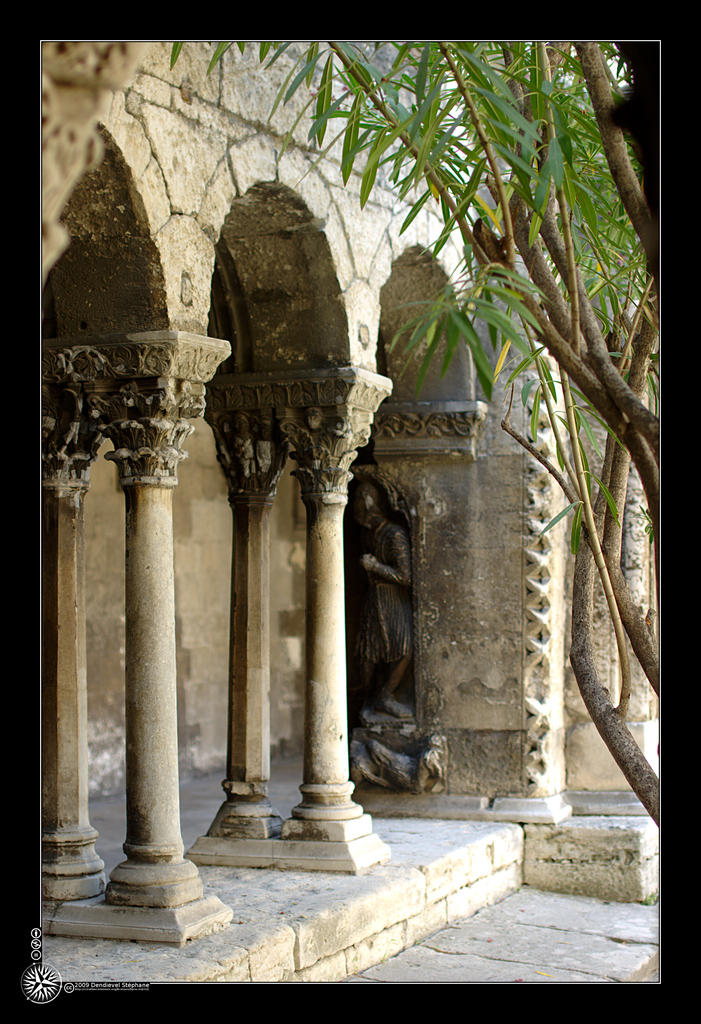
(612, 729)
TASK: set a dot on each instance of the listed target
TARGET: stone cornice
(428, 428)
(339, 386)
(177, 355)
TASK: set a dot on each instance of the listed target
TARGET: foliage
(516, 146)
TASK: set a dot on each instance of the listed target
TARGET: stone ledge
(607, 857)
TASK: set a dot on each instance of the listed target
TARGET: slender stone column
(142, 390)
(71, 868)
(324, 440)
(252, 456)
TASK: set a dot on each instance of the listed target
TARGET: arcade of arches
(218, 386)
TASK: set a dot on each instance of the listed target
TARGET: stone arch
(110, 279)
(417, 277)
(275, 289)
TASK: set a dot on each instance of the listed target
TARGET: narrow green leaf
(523, 364)
(482, 364)
(590, 434)
(560, 516)
(557, 166)
(609, 498)
(526, 389)
(535, 415)
(576, 529)
(415, 211)
(421, 74)
(175, 53)
(351, 138)
(323, 99)
(218, 54)
(306, 72)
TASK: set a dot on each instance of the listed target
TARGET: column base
(350, 856)
(240, 819)
(71, 868)
(161, 884)
(95, 919)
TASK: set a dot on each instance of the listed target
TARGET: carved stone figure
(420, 772)
(385, 644)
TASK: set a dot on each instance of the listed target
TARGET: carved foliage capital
(324, 442)
(70, 438)
(147, 421)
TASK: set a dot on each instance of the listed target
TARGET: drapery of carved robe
(386, 633)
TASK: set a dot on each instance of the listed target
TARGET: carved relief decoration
(430, 424)
(70, 439)
(250, 449)
(148, 423)
(324, 442)
(542, 654)
(320, 420)
(159, 354)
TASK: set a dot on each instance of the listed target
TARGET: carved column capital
(321, 417)
(70, 440)
(250, 448)
(141, 389)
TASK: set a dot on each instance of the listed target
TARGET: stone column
(145, 389)
(252, 455)
(71, 868)
(324, 435)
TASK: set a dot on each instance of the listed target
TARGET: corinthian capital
(140, 391)
(70, 439)
(321, 417)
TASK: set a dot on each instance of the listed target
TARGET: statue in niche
(420, 772)
(385, 642)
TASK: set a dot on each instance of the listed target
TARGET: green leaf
(526, 389)
(324, 99)
(175, 53)
(351, 137)
(482, 364)
(560, 516)
(576, 529)
(307, 73)
(535, 415)
(590, 434)
(218, 54)
(609, 498)
(523, 364)
(557, 166)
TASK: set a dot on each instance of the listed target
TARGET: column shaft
(155, 872)
(71, 868)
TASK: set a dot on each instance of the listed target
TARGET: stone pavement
(450, 908)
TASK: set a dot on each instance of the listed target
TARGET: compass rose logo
(41, 983)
